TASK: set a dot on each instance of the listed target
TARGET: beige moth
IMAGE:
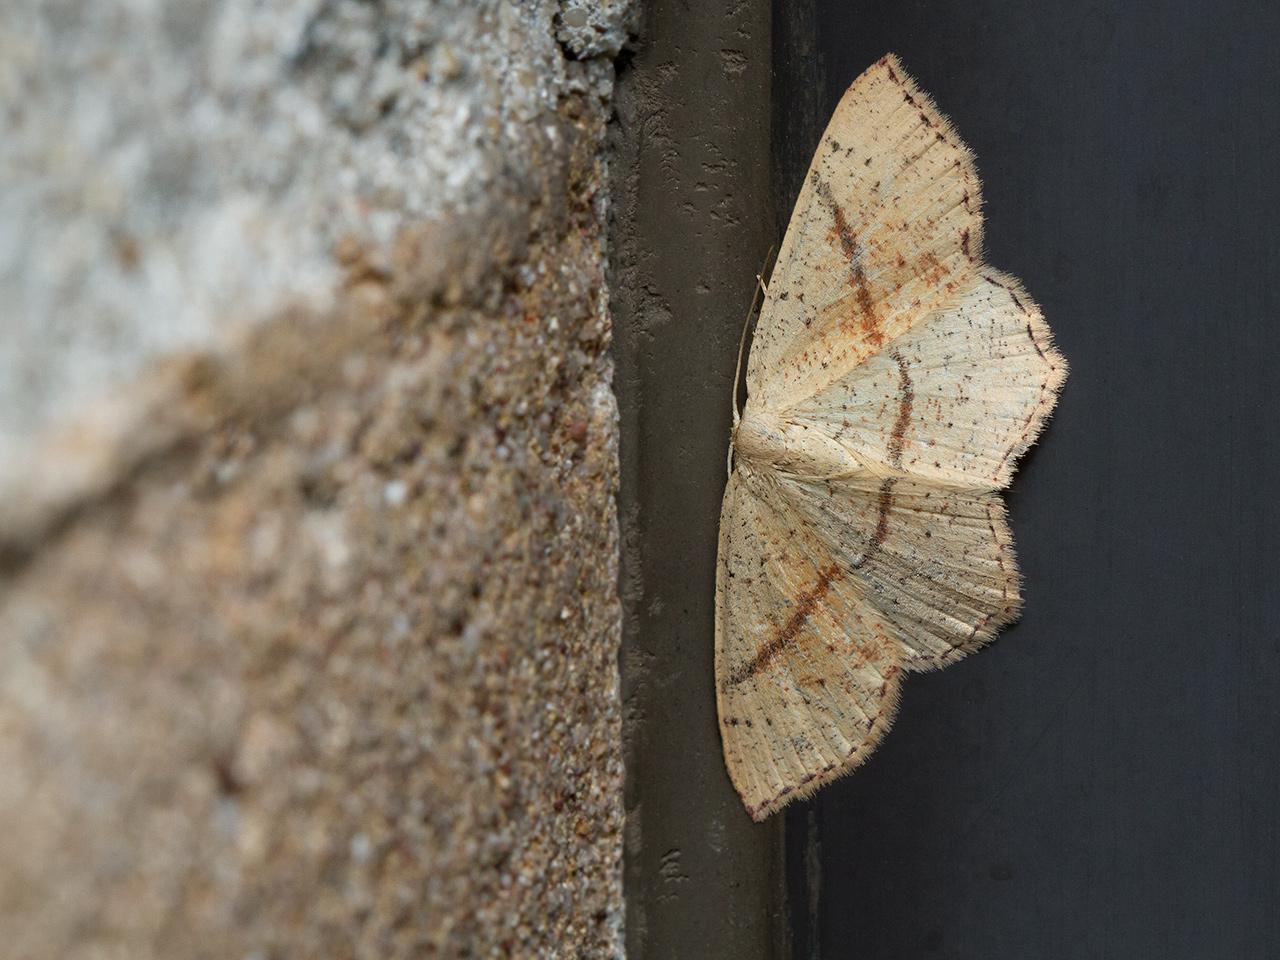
(894, 379)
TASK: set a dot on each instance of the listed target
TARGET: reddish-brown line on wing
(869, 320)
(805, 605)
(884, 505)
(898, 439)
(809, 600)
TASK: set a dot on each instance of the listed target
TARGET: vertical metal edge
(799, 93)
(691, 222)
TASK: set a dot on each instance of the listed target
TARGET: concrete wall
(308, 602)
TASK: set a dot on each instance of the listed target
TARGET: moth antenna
(761, 288)
(742, 345)
(737, 374)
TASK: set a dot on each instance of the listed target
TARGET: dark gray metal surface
(691, 225)
(1104, 780)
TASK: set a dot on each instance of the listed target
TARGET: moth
(894, 380)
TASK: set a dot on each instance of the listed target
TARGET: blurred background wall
(308, 600)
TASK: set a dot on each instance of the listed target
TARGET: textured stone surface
(308, 636)
(172, 168)
(589, 28)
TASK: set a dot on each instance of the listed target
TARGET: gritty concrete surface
(308, 600)
(172, 168)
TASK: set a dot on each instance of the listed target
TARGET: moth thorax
(762, 438)
(794, 448)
